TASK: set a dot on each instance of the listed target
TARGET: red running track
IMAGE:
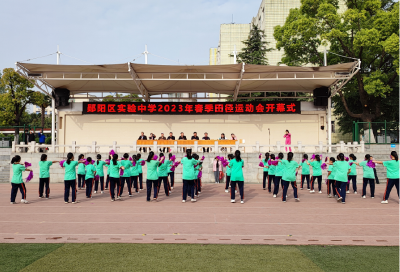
(263, 219)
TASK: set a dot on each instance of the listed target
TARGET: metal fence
(376, 132)
(6, 142)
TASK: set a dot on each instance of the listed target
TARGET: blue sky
(116, 31)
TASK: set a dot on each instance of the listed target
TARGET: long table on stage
(186, 142)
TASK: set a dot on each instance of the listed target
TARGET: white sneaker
(142, 189)
(274, 196)
(235, 191)
(137, 192)
(41, 196)
(183, 201)
(312, 191)
(119, 197)
(320, 192)
(95, 192)
(347, 192)
(297, 199)
(233, 201)
(284, 201)
(226, 191)
(343, 202)
(330, 196)
(75, 202)
(372, 197)
(339, 199)
(364, 196)
(301, 188)
(172, 187)
(24, 201)
(113, 199)
(382, 202)
(102, 192)
(308, 189)
(193, 200)
(13, 203)
(241, 201)
(170, 191)
(355, 192)
(130, 195)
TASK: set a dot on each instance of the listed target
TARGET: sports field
(197, 257)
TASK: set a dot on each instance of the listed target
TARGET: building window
(60, 125)
(333, 126)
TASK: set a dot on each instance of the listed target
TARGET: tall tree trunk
(16, 136)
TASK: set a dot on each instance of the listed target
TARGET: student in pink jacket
(288, 140)
(217, 167)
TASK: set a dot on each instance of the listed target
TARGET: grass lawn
(195, 257)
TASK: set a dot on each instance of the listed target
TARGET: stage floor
(263, 219)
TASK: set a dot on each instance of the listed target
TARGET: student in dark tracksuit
(139, 160)
(368, 176)
(126, 176)
(81, 173)
(70, 178)
(99, 164)
(115, 167)
(171, 174)
(228, 174)
(44, 175)
(265, 173)
(305, 172)
(16, 181)
(392, 173)
(89, 177)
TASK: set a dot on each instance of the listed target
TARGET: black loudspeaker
(321, 101)
(321, 92)
(61, 97)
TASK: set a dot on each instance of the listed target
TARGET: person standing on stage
(183, 137)
(142, 137)
(172, 138)
(288, 140)
(237, 165)
(206, 138)
(392, 174)
(162, 137)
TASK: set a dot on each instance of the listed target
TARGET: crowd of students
(341, 174)
(341, 171)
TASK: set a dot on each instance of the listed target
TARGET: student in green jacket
(16, 181)
(353, 173)
(278, 175)
(305, 172)
(108, 175)
(99, 164)
(392, 174)
(341, 177)
(90, 170)
(228, 174)
(188, 164)
(70, 177)
(140, 170)
(317, 173)
(135, 173)
(237, 177)
(289, 176)
(265, 173)
(115, 167)
(163, 175)
(368, 176)
(44, 175)
(272, 171)
(197, 181)
(126, 176)
(331, 185)
(152, 176)
(81, 173)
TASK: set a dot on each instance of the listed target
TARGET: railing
(218, 146)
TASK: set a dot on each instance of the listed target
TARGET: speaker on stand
(61, 97)
(321, 96)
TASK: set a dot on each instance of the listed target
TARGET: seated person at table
(170, 137)
(206, 138)
(142, 137)
(162, 137)
(182, 137)
(222, 138)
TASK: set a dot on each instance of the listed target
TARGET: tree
(18, 94)
(126, 98)
(368, 30)
(42, 101)
(255, 49)
(2, 90)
